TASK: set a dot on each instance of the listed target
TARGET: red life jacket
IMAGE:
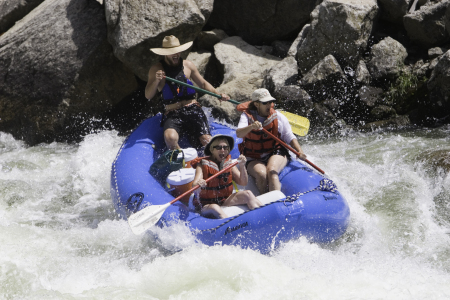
(257, 142)
(219, 188)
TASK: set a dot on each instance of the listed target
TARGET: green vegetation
(404, 85)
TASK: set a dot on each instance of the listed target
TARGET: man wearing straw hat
(183, 114)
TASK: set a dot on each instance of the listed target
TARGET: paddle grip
(197, 186)
(198, 89)
(293, 150)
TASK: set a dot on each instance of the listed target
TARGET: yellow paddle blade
(299, 124)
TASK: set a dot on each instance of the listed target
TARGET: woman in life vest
(219, 191)
(265, 156)
(183, 115)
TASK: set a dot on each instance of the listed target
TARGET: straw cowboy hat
(171, 45)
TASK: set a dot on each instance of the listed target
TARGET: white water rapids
(60, 237)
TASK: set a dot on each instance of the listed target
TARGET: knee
(261, 175)
(170, 135)
(214, 206)
(247, 195)
(272, 171)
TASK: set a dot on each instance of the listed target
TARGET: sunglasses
(265, 103)
(218, 147)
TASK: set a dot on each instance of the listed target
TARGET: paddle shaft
(197, 186)
(236, 102)
(220, 97)
(199, 89)
(293, 150)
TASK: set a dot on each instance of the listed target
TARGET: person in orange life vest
(219, 191)
(183, 114)
(266, 157)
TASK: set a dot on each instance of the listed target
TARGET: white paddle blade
(141, 221)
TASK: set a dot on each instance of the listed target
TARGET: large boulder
(238, 57)
(362, 74)
(387, 59)
(298, 40)
(282, 74)
(338, 27)
(439, 88)
(12, 11)
(325, 80)
(244, 67)
(426, 26)
(239, 89)
(57, 67)
(261, 21)
(295, 99)
(136, 26)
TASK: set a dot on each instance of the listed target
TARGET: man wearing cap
(265, 156)
(183, 114)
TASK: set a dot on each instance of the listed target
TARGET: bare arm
(240, 176)
(294, 144)
(155, 81)
(201, 82)
(198, 179)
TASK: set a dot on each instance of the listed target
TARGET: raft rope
(326, 185)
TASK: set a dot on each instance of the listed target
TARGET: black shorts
(189, 121)
(278, 151)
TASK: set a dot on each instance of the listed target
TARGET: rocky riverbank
(68, 67)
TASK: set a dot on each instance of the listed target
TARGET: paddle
(299, 124)
(293, 150)
(149, 216)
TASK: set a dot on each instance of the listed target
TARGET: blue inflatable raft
(308, 204)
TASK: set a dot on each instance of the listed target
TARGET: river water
(60, 237)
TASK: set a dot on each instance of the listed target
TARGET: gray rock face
(426, 26)
(439, 88)
(136, 26)
(295, 99)
(297, 42)
(362, 75)
(206, 7)
(326, 68)
(56, 64)
(200, 60)
(387, 59)
(12, 11)
(369, 95)
(282, 74)
(340, 28)
(239, 57)
(261, 21)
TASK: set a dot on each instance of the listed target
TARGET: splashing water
(61, 239)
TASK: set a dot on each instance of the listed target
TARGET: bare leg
(215, 210)
(171, 138)
(243, 197)
(258, 170)
(275, 164)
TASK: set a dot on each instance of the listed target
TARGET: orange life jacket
(257, 142)
(219, 188)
